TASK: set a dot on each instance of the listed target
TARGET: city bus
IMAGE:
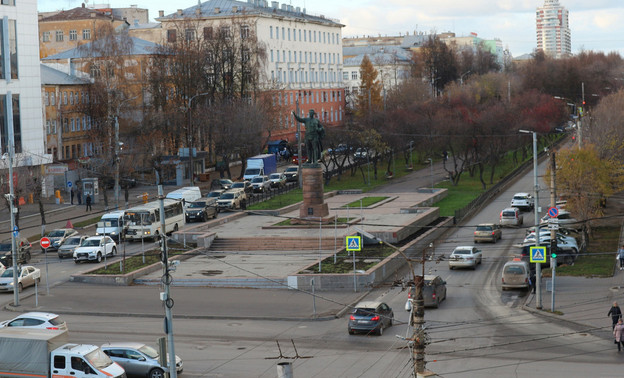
(143, 221)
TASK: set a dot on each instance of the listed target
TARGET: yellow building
(69, 29)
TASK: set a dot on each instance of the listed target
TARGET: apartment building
(303, 54)
(20, 84)
(553, 29)
(65, 30)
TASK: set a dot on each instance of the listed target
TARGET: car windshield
(275, 176)
(214, 194)
(5, 247)
(509, 213)
(9, 273)
(484, 228)
(227, 196)
(461, 252)
(72, 241)
(520, 198)
(252, 171)
(197, 205)
(90, 243)
(149, 351)
(56, 234)
(257, 179)
(99, 359)
(225, 182)
(238, 185)
(292, 169)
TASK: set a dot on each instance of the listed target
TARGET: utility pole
(299, 175)
(166, 280)
(10, 134)
(553, 232)
(116, 162)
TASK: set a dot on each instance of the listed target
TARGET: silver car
(138, 359)
(27, 276)
(69, 245)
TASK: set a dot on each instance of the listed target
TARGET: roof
(123, 344)
(80, 13)
(229, 8)
(139, 47)
(368, 304)
(51, 76)
(149, 25)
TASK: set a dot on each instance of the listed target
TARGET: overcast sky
(596, 25)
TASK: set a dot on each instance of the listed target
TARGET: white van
(187, 194)
(516, 275)
(112, 224)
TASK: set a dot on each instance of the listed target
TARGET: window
(48, 127)
(171, 35)
(86, 34)
(12, 40)
(46, 36)
(65, 125)
(59, 361)
(271, 32)
(73, 35)
(73, 124)
(294, 34)
(53, 126)
(94, 71)
(289, 34)
(84, 122)
(244, 31)
(52, 98)
(17, 134)
(59, 36)
(189, 34)
(245, 55)
(71, 98)
(354, 75)
(225, 31)
(283, 33)
(271, 55)
(208, 32)
(46, 98)
(345, 75)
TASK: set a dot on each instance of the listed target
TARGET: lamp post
(538, 266)
(431, 172)
(190, 136)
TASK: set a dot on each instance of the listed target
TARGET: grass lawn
(136, 262)
(87, 222)
(597, 262)
(365, 259)
(365, 202)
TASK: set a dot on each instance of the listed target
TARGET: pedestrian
(79, 195)
(621, 257)
(618, 332)
(88, 202)
(71, 195)
(615, 313)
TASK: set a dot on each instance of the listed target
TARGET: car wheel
(155, 373)
(568, 260)
(20, 287)
(451, 267)
(38, 281)
(474, 267)
(351, 332)
(114, 251)
(437, 303)
(76, 261)
(380, 330)
(175, 227)
(99, 257)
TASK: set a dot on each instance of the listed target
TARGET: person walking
(621, 257)
(79, 195)
(88, 202)
(615, 313)
(618, 333)
(71, 195)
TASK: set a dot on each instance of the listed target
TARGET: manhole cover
(211, 272)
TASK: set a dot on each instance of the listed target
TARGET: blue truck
(260, 165)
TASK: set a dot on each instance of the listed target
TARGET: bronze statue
(314, 134)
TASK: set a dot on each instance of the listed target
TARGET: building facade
(20, 84)
(303, 66)
(65, 30)
(553, 29)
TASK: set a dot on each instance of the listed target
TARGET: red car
(295, 159)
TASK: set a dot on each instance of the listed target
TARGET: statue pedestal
(313, 206)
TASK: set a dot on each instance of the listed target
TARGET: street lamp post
(431, 172)
(538, 266)
(190, 136)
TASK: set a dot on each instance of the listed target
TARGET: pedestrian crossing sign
(538, 254)
(354, 243)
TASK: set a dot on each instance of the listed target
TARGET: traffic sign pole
(45, 244)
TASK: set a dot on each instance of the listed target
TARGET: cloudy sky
(596, 25)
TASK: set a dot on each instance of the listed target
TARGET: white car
(465, 257)
(563, 242)
(523, 201)
(564, 219)
(27, 276)
(277, 180)
(2, 269)
(40, 320)
(95, 248)
(260, 183)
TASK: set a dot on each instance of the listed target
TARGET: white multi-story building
(20, 83)
(303, 53)
(553, 30)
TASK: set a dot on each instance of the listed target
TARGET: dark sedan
(370, 317)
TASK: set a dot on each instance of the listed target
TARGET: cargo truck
(260, 165)
(43, 353)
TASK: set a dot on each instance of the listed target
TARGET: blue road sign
(354, 243)
(538, 254)
(15, 231)
(553, 212)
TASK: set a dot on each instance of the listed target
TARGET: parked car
(201, 210)
(215, 193)
(39, 320)
(138, 359)
(292, 173)
(57, 237)
(370, 317)
(465, 256)
(230, 200)
(95, 248)
(260, 184)
(510, 217)
(516, 274)
(563, 219)
(67, 248)
(360, 154)
(27, 276)
(244, 185)
(223, 183)
(277, 180)
(523, 201)
(295, 159)
(488, 232)
(434, 292)
(341, 149)
(23, 251)
(563, 242)
(563, 256)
